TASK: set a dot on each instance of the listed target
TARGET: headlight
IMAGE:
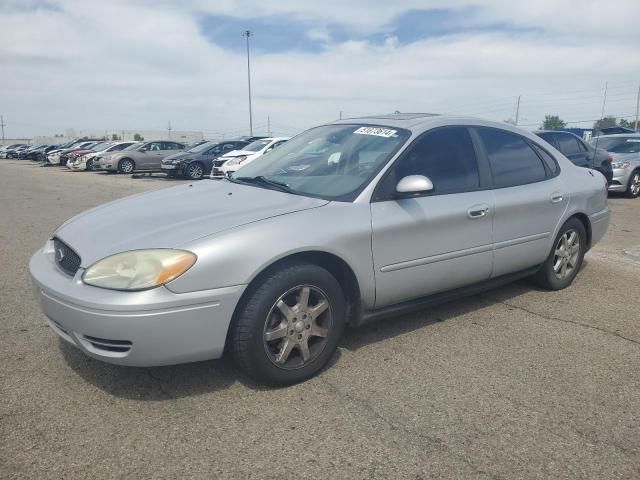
(139, 269)
(236, 161)
(620, 164)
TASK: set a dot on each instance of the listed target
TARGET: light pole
(248, 33)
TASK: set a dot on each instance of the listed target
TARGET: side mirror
(413, 185)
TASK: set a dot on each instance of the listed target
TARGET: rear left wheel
(565, 259)
(289, 324)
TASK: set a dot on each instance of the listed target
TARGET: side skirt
(442, 297)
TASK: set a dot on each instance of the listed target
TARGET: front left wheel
(195, 171)
(288, 325)
(633, 187)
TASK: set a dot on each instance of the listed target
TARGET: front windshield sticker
(378, 132)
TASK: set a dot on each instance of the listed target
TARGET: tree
(629, 124)
(553, 122)
(137, 137)
(605, 122)
(115, 137)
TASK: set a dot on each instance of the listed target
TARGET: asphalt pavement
(513, 383)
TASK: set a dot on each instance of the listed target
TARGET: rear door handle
(556, 198)
(478, 211)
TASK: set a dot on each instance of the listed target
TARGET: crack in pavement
(563, 320)
(364, 406)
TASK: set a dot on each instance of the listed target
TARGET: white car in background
(235, 159)
(89, 161)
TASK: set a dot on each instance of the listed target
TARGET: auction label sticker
(378, 132)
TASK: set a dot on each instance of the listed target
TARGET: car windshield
(201, 148)
(333, 162)
(257, 145)
(101, 146)
(618, 144)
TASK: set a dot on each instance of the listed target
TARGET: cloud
(138, 64)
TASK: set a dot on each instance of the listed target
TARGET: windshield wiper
(262, 180)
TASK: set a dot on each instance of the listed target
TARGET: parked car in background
(25, 153)
(59, 157)
(198, 161)
(232, 161)
(41, 156)
(145, 156)
(89, 159)
(12, 151)
(579, 152)
(403, 211)
(625, 150)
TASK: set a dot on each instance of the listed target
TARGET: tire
(126, 165)
(90, 166)
(273, 323)
(194, 171)
(563, 264)
(633, 187)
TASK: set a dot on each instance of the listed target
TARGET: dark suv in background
(579, 152)
(198, 161)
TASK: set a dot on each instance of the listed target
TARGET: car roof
(619, 135)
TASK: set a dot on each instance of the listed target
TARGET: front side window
(351, 155)
(445, 156)
(512, 160)
(568, 144)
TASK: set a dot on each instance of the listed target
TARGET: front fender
(238, 255)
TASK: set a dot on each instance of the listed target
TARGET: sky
(138, 64)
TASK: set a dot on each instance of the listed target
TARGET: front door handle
(478, 211)
(556, 198)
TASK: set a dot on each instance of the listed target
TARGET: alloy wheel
(126, 166)
(195, 171)
(297, 327)
(567, 254)
(634, 184)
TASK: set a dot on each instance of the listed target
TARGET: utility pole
(268, 126)
(2, 124)
(169, 128)
(637, 127)
(248, 33)
(340, 114)
(517, 110)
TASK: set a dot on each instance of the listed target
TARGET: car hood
(238, 153)
(173, 217)
(175, 156)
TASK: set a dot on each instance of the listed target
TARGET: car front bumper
(620, 179)
(147, 328)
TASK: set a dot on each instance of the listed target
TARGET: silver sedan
(625, 151)
(344, 224)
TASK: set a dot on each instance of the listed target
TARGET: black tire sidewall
(253, 311)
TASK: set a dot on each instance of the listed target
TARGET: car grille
(66, 258)
(105, 344)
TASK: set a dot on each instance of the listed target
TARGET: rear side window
(547, 137)
(549, 161)
(446, 156)
(568, 144)
(512, 160)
